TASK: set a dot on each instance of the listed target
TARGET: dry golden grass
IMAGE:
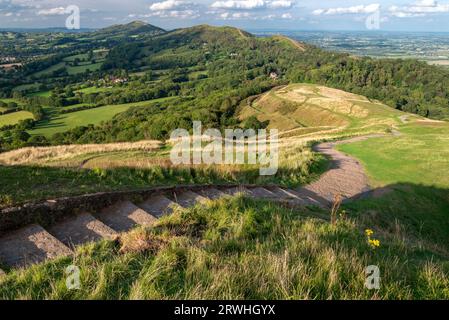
(339, 94)
(32, 155)
(340, 106)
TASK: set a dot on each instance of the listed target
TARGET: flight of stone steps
(33, 243)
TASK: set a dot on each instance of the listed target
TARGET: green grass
(71, 70)
(83, 68)
(31, 87)
(96, 90)
(110, 172)
(420, 156)
(64, 122)
(14, 118)
(81, 56)
(8, 100)
(49, 70)
(409, 173)
(239, 249)
(45, 94)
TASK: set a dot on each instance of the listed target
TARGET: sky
(369, 15)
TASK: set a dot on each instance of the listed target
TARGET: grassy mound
(318, 108)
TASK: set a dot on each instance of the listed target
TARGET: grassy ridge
(311, 106)
(239, 249)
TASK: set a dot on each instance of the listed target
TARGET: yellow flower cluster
(374, 243)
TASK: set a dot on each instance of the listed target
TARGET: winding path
(345, 176)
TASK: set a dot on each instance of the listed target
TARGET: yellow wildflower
(369, 232)
(374, 243)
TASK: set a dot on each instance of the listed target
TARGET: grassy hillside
(420, 154)
(307, 109)
(246, 249)
(241, 249)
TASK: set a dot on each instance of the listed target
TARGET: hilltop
(128, 30)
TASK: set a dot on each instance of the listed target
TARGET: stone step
(236, 190)
(80, 229)
(309, 198)
(158, 205)
(124, 216)
(212, 193)
(188, 198)
(261, 193)
(31, 244)
(283, 193)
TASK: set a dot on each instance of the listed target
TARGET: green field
(410, 176)
(96, 90)
(45, 94)
(420, 155)
(30, 87)
(14, 118)
(11, 100)
(50, 69)
(64, 122)
(83, 68)
(71, 70)
(81, 56)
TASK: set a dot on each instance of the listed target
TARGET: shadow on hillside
(421, 210)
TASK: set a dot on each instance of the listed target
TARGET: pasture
(14, 118)
(64, 122)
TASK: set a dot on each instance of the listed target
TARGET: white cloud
(252, 4)
(175, 9)
(371, 8)
(184, 14)
(239, 4)
(235, 15)
(286, 16)
(168, 5)
(426, 3)
(277, 4)
(419, 9)
(52, 11)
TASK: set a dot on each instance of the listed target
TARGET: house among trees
(118, 80)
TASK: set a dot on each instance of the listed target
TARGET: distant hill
(131, 29)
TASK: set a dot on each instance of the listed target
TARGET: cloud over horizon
(292, 14)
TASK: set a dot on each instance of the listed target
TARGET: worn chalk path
(345, 177)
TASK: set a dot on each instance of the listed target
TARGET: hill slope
(130, 29)
(299, 109)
